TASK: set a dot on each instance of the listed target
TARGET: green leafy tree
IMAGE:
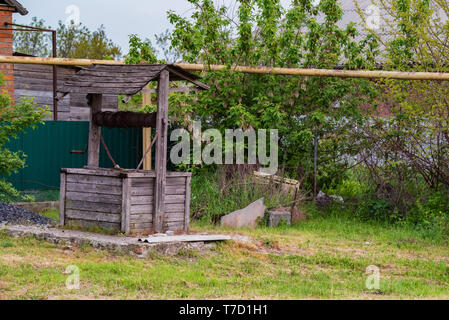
(264, 33)
(411, 145)
(77, 41)
(163, 43)
(73, 41)
(140, 51)
(33, 43)
(14, 119)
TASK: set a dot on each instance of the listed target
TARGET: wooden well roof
(16, 5)
(123, 79)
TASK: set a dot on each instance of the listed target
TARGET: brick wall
(6, 49)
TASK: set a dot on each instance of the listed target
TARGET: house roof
(16, 5)
(123, 79)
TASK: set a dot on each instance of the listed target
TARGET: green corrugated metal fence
(48, 149)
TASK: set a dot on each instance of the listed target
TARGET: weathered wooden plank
(175, 190)
(142, 200)
(44, 68)
(34, 93)
(161, 150)
(126, 206)
(93, 216)
(93, 206)
(79, 98)
(87, 224)
(174, 207)
(95, 172)
(99, 90)
(146, 174)
(142, 208)
(142, 229)
(143, 182)
(93, 155)
(91, 179)
(142, 216)
(148, 191)
(94, 188)
(147, 218)
(89, 83)
(62, 199)
(141, 225)
(169, 199)
(142, 191)
(94, 197)
(176, 181)
(175, 226)
(175, 216)
(36, 87)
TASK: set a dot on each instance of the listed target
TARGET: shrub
(14, 118)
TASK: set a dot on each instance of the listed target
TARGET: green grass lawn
(318, 259)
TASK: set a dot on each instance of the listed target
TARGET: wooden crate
(122, 200)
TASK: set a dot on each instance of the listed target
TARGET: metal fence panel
(48, 148)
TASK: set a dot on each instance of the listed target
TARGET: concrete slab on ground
(167, 245)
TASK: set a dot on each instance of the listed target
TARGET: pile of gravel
(10, 214)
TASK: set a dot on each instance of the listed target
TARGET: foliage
(140, 51)
(264, 33)
(406, 151)
(214, 194)
(73, 41)
(14, 118)
(163, 43)
(33, 43)
(77, 41)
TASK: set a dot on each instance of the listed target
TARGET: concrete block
(276, 217)
(246, 217)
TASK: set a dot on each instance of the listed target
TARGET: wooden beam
(93, 157)
(178, 90)
(62, 194)
(126, 205)
(199, 84)
(375, 74)
(56, 61)
(367, 74)
(146, 132)
(161, 152)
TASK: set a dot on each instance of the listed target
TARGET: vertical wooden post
(62, 192)
(146, 133)
(161, 151)
(126, 205)
(93, 157)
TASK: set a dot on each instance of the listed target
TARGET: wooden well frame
(123, 200)
(134, 202)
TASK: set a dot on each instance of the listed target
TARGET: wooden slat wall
(142, 205)
(37, 81)
(141, 209)
(93, 201)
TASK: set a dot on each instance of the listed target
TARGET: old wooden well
(137, 202)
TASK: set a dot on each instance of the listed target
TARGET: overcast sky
(120, 18)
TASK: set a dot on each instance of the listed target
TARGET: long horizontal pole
(438, 76)
(56, 61)
(324, 72)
